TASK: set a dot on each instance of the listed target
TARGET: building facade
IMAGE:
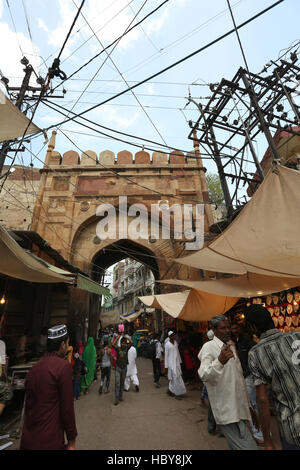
(131, 280)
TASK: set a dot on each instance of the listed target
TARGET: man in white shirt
(222, 373)
(172, 364)
(131, 374)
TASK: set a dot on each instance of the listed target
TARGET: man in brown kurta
(49, 409)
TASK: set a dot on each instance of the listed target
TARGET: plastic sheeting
(264, 237)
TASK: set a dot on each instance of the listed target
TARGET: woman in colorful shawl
(89, 358)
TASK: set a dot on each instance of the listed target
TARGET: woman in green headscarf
(89, 358)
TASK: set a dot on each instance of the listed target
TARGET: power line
(14, 26)
(238, 36)
(70, 30)
(178, 41)
(215, 41)
(128, 252)
(102, 27)
(114, 64)
(111, 44)
(142, 146)
(108, 55)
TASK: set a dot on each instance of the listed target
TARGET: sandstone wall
(18, 197)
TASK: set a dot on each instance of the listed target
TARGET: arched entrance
(119, 250)
(72, 188)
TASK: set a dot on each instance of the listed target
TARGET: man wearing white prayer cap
(49, 409)
(172, 365)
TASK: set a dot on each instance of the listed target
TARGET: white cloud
(42, 25)
(156, 24)
(1, 8)
(113, 115)
(150, 89)
(111, 19)
(10, 55)
(57, 36)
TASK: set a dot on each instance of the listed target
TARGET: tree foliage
(215, 189)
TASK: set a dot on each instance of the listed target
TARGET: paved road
(147, 420)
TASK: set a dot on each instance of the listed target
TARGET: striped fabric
(275, 360)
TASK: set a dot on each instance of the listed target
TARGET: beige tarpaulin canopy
(20, 264)
(13, 123)
(110, 317)
(248, 285)
(264, 237)
(191, 305)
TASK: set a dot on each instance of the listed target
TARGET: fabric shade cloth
(264, 237)
(248, 285)
(132, 315)
(12, 121)
(110, 317)
(191, 305)
(20, 264)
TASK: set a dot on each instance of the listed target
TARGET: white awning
(12, 121)
(264, 237)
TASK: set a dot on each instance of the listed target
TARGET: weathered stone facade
(72, 187)
(18, 197)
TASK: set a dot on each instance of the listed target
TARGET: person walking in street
(121, 367)
(49, 407)
(156, 360)
(106, 360)
(212, 427)
(131, 374)
(172, 365)
(80, 348)
(221, 371)
(89, 358)
(76, 372)
(275, 361)
(243, 345)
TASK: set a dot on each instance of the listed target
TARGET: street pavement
(146, 420)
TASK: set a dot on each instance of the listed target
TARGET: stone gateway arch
(72, 188)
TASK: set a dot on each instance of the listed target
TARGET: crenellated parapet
(107, 158)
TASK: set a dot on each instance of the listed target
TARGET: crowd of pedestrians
(243, 370)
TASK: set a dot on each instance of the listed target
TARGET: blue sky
(176, 30)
